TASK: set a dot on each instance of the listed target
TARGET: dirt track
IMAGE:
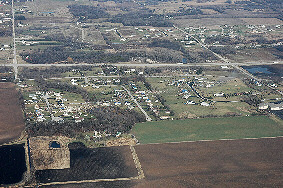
(11, 117)
(238, 163)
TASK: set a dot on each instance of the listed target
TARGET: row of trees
(63, 86)
(141, 18)
(87, 12)
(60, 53)
(6, 31)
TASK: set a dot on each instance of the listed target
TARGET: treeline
(61, 54)
(141, 18)
(20, 17)
(84, 12)
(187, 11)
(6, 32)
(173, 45)
(155, 2)
(253, 100)
(108, 119)
(36, 73)
(63, 86)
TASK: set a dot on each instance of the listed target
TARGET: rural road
(14, 43)
(143, 64)
(139, 106)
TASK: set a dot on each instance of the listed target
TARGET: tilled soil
(91, 164)
(235, 163)
(11, 116)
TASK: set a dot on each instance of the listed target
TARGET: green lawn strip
(207, 129)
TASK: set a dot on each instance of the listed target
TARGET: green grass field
(207, 129)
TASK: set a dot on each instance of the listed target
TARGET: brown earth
(11, 116)
(91, 164)
(238, 163)
(235, 163)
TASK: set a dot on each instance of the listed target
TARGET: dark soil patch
(11, 116)
(12, 164)
(89, 164)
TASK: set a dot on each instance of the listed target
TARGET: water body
(255, 70)
(12, 164)
(54, 144)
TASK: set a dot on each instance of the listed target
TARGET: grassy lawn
(207, 129)
(176, 103)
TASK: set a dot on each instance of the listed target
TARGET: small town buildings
(218, 94)
(270, 106)
(276, 106)
(263, 106)
(204, 104)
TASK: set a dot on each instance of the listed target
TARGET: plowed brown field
(11, 117)
(235, 163)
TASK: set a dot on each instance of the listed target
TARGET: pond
(12, 164)
(54, 144)
(255, 70)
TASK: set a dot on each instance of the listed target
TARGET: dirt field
(11, 117)
(234, 163)
(262, 21)
(90, 164)
(238, 163)
(207, 22)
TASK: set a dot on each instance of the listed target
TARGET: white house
(263, 106)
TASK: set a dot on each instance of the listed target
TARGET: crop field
(11, 116)
(91, 164)
(237, 163)
(207, 129)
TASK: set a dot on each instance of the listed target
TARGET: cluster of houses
(53, 105)
(5, 18)
(146, 98)
(270, 106)
(119, 98)
(184, 92)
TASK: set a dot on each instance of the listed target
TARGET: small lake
(255, 70)
(12, 164)
(54, 144)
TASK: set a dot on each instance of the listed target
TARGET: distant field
(207, 22)
(207, 129)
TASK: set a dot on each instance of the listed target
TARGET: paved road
(14, 43)
(139, 106)
(227, 61)
(223, 59)
(144, 64)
